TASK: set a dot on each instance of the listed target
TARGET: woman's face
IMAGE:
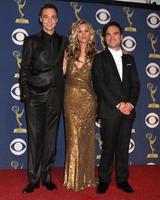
(83, 33)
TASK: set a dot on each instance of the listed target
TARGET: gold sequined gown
(79, 111)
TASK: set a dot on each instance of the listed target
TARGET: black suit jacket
(38, 71)
(109, 88)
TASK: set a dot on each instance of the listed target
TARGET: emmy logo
(129, 14)
(153, 43)
(151, 142)
(18, 114)
(76, 9)
(15, 165)
(152, 92)
(21, 5)
(17, 55)
(98, 138)
(99, 33)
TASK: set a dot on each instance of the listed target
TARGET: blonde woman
(79, 108)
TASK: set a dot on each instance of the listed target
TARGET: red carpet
(144, 179)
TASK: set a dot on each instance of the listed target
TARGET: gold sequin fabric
(80, 113)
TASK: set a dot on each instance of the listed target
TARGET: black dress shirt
(51, 45)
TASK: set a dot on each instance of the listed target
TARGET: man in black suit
(117, 86)
(41, 86)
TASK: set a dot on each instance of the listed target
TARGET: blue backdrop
(19, 18)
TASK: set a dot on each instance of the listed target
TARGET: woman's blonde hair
(73, 49)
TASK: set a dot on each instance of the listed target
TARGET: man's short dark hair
(48, 5)
(112, 23)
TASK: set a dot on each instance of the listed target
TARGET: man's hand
(126, 108)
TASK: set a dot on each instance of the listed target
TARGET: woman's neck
(82, 51)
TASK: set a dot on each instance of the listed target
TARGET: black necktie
(51, 49)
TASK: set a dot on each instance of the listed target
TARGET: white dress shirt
(117, 55)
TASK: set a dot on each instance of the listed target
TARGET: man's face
(49, 19)
(113, 37)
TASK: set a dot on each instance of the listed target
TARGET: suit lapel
(60, 48)
(124, 64)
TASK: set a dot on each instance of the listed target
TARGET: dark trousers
(115, 134)
(42, 125)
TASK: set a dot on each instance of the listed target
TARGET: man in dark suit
(41, 86)
(117, 86)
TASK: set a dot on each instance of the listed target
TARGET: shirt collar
(115, 53)
(46, 35)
